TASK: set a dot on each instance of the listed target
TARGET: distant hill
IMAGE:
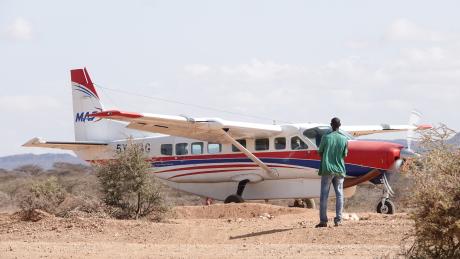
(455, 140)
(45, 161)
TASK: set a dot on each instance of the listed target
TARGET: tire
(298, 203)
(234, 199)
(387, 208)
(309, 203)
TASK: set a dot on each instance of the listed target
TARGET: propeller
(407, 152)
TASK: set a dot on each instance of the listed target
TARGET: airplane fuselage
(213, 169)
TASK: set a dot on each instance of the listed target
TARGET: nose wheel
(386, 206)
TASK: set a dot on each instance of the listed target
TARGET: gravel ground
(248, 230)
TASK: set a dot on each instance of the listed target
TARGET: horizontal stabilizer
(75, 146)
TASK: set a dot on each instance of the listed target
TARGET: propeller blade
(414, 118)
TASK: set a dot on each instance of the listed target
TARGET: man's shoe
(321, 225)
(338, 223)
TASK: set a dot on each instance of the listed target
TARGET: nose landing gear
(386, 206)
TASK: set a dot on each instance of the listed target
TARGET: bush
(435, 198)
(126, 186)
(82, 206)
(46, 195)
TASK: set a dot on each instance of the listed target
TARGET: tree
(127, 187)
(435, 197)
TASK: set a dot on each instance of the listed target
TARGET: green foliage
(45, 195)
(127, 187)
(435, 198)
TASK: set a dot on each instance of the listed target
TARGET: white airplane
(227, 160)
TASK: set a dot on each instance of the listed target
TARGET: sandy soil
(217, 231)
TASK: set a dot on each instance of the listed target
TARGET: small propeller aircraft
(228, 160)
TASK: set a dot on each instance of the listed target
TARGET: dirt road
(217, 231)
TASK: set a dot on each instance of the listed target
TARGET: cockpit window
(315, 134)
(298, 144)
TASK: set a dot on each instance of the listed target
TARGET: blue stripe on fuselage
(352, 170)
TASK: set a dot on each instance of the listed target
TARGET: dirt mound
(243, 210)
(34, 215)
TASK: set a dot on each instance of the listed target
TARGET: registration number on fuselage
(145, 147)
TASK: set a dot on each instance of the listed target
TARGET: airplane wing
(206, 129)
(74, 146)
(383, 128)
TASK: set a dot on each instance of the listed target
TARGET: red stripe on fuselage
(374, 154)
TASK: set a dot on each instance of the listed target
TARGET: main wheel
(309, 203)
(386, 208)
(234, 198)
(298, 203)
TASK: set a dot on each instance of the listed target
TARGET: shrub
(435, 198)
(45, 195)
(126, 186)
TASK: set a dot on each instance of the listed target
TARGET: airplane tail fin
(85, 102)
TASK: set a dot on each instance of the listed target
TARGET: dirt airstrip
(248, 230)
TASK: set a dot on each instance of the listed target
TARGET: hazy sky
(368, 62)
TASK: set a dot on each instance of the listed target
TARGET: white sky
(368, 62)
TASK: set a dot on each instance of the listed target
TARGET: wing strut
(270, 171)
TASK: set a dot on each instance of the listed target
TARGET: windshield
(315, 134)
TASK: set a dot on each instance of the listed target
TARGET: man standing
(333, 149)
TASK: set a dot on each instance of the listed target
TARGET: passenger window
(214, 148)
(298, 144)
(242, 142)
(197, 148)
(181, 149)
(262, 144)
(280, 143)
(166, 149)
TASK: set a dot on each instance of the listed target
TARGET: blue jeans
(337, 182)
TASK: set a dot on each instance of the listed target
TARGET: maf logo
(84, 116)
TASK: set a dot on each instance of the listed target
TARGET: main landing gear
(304, 203)
(237, 198)
(386, 206)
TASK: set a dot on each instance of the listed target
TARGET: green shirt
(332, 150)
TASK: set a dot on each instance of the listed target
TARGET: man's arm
(345, 149)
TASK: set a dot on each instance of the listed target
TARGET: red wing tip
(424, 126)
(115, 113)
